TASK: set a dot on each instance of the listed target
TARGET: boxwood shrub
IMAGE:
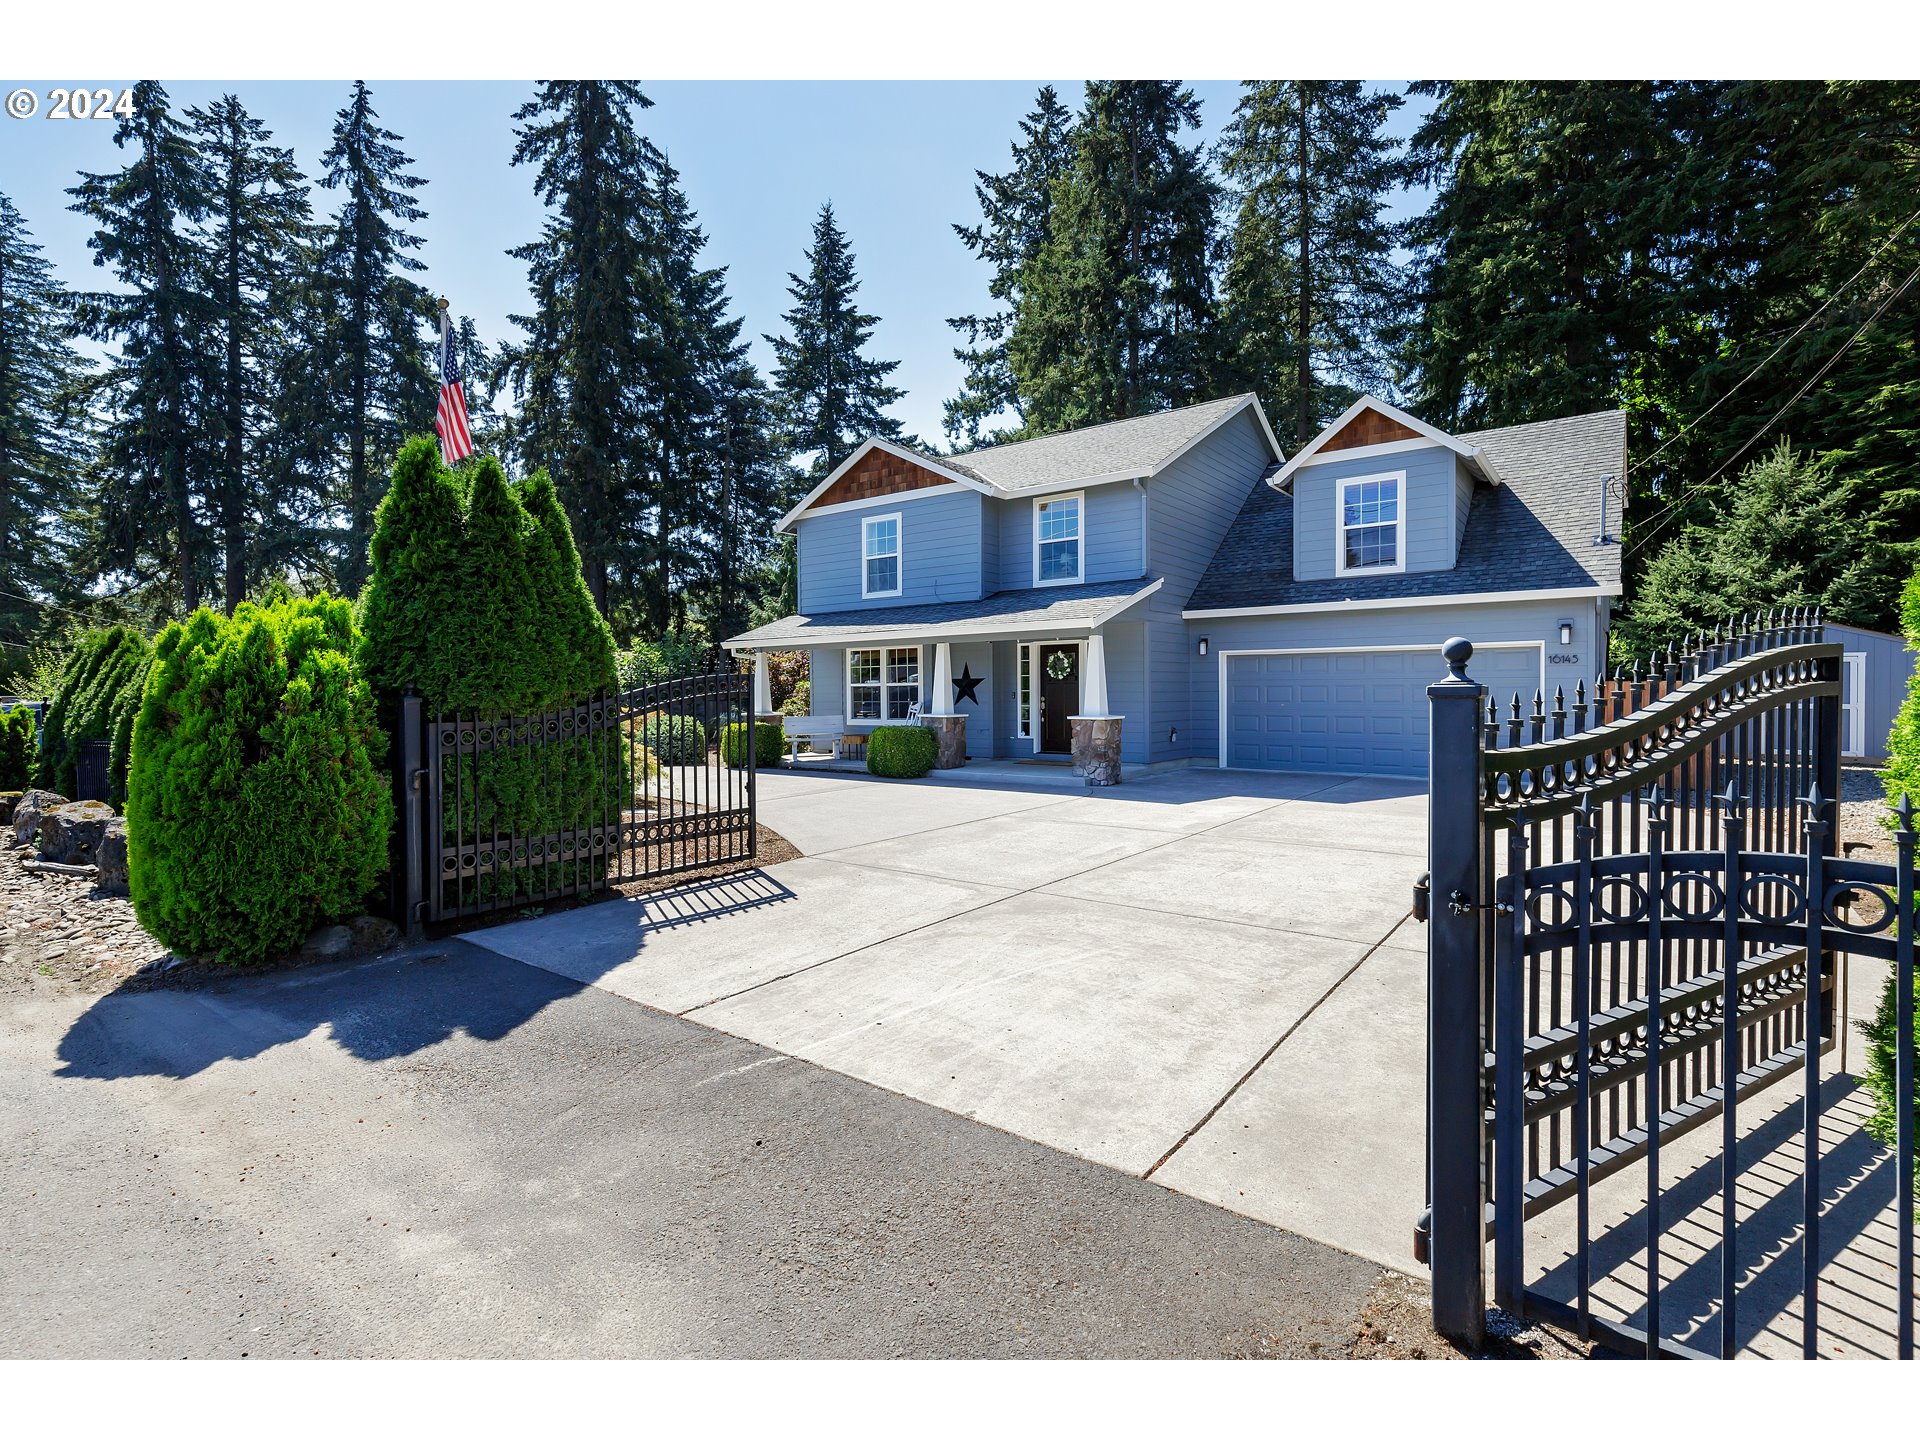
(16, 748)
(673, 739)
(769, 743)
(99, 695)
(256, 809)
(903, 752)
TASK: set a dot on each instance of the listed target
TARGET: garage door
(1362, 711)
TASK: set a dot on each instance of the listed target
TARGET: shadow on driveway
(375, 1010)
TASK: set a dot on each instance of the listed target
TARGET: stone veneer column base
(951, 731)
(1096, 748)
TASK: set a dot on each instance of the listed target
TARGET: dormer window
(1371, 525)
(879, 556)
(1056, 540)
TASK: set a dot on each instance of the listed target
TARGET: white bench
(814, 729)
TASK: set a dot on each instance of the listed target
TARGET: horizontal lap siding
(1190, 506)
(940, 553)
(1109, 528)
(1889, 666)
(1431, 519)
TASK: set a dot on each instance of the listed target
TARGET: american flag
(451, 419)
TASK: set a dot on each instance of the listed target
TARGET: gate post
(1826, 774)
(1456, 1140)
(412, 823)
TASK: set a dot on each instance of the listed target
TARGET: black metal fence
(1637, 924)
(516, 811)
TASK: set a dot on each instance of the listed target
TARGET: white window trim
(846, 681)
(899, 559)
(1853, 673)
(1079, 540)
(1030, 651)
(1340, 566)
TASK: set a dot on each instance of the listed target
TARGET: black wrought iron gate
(516, 811)
(1638, 923)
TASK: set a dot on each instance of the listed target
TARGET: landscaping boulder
(110, 859)
(70, 834)
(27, 811)
(7, 800)
(329, 942)
(372, 933)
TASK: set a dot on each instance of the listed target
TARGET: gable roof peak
(1404, 429)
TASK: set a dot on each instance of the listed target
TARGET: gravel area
(60, 932)
(1862, 808)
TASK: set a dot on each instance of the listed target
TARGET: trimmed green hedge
(904, 752)
(673, 739)
(256, 810)
(672, 655)
(769, 743)
(16, 748)
(1900, 777)
(99, 695)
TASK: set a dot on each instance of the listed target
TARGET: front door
(1059, 696)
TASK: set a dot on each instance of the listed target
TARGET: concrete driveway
(1208, 979)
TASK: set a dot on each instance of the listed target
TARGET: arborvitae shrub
(903, 752)
(99, 695)
(257, 809)
(1901, 777)
(674, 654)
(476, 600)
(16, 748)
(769, 743)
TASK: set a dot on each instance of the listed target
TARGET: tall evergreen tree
(747, 487)
(376, 361)
(579, 374)
(1016, 213)
(43, 436)
(155, 464)
(1116, 313)
(832, 395)
(1310, 282)
(257, 218)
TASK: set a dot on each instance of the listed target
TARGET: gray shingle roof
(1131, 447)
(1067, 608)
(1534, 532)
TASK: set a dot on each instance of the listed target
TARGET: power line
(49, 605)
(1797, 333)
(1666, 511)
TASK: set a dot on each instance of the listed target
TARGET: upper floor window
(1056, 540)
(880, 556)
(1372, 525)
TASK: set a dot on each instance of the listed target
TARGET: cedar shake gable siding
(879, 473)
(1369, 427)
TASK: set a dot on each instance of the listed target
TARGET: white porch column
(1093, 699)
(942, 679)
(762, 685)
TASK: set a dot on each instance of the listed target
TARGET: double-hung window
(881, 684)
(1371, 525)
(879, 556)
(1056, 540)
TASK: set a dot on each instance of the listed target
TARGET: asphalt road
(450, 1153)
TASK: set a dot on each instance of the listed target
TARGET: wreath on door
(1060, 665)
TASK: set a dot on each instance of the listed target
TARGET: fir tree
(1016, 211)
(374, 356)
(155, 464)
(257, 218)
(832, 395)
(43, 437)
(579, 375)
(1310, 282)
(749, 485)
(1115, 316)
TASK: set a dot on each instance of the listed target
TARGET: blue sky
(758, 158)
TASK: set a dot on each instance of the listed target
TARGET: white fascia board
(1259, 414)
(925, 462)
(1392, 412)
(1055, 487)
(873, 502)
(1405, 602)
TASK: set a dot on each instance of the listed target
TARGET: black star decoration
(966, 685)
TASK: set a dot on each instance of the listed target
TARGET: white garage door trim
(1227, 656)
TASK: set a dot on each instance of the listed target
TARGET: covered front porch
(1016, 668)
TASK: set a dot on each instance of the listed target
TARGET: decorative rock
(329, 942)
(7, 799)
(1096, 748)
(70, 834)
(27, 811)
(951, 732)
(110, 859)
(373, 933)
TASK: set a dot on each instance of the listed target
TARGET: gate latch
(1461, 903)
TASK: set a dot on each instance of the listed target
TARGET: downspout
(1146, 630)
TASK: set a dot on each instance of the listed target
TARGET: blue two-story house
(1237, 608)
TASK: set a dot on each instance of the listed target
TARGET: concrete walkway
(1207, 979)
